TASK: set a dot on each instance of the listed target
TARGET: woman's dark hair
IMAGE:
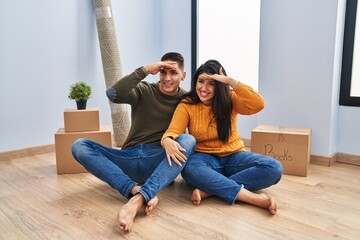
(222, 104)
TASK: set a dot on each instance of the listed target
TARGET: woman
(220, 165)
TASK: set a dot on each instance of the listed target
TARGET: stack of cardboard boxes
(78, 124)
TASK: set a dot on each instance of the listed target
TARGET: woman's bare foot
(269, 203)
(128, 212)
(198, 195)
(260, 200)
(151, 205)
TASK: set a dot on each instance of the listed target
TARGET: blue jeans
(226, 176)
(124, 169)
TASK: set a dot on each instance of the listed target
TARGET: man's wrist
(144, 70)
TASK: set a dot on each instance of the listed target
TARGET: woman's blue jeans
(124, 169)
(225, 176)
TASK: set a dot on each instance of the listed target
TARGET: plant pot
(81, 104)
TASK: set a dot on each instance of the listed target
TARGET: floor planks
(36, 203)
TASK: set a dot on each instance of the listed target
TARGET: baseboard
(348, 158)
(26, 152)
(324, 161)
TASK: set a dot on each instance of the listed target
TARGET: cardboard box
(81, 120)
(65, 162)
(289, 145)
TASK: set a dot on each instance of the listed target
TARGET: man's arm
(123, 91)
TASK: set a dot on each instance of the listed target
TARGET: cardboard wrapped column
(111, 66)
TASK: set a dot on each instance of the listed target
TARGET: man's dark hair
(174, 56)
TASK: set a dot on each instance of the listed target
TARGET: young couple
(211, 158)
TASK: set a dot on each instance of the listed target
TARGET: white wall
(175, 34)
(38, 62)
(349, 130)
(300, 66)
(47, 45)
(138, 31)
(52, 44)
(297, 65)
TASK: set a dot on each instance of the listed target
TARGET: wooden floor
(36, 203)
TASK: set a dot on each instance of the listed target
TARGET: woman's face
(205, 89)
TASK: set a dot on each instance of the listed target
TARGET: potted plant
(80, 92)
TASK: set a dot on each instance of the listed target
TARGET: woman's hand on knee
(174, 151)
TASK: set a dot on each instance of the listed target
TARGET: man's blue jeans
(124, 169)
(226, 176)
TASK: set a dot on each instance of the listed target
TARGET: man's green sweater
(151, 110)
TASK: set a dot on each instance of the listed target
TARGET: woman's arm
(246, 101)
(177, 126)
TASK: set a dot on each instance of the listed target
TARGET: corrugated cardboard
(81, 120)
(289, 145)
(65, 162)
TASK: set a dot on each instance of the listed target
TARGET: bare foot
(151, 205)
(128, 212)
(135, 189)
(198, 195)
(269, 203)
(258, 199)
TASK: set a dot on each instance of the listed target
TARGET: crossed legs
(163, 175)
(233, 178)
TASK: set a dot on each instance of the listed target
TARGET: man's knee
(77, 147)
(187, 141)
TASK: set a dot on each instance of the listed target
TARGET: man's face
(170, 79)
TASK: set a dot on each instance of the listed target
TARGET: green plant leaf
(80, 91)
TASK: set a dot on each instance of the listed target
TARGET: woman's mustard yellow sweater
(197, 118)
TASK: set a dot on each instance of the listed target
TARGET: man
(142, 160)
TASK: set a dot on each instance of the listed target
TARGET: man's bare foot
(198, 195)
(151, 205)
(128, 212)
(135, 189)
